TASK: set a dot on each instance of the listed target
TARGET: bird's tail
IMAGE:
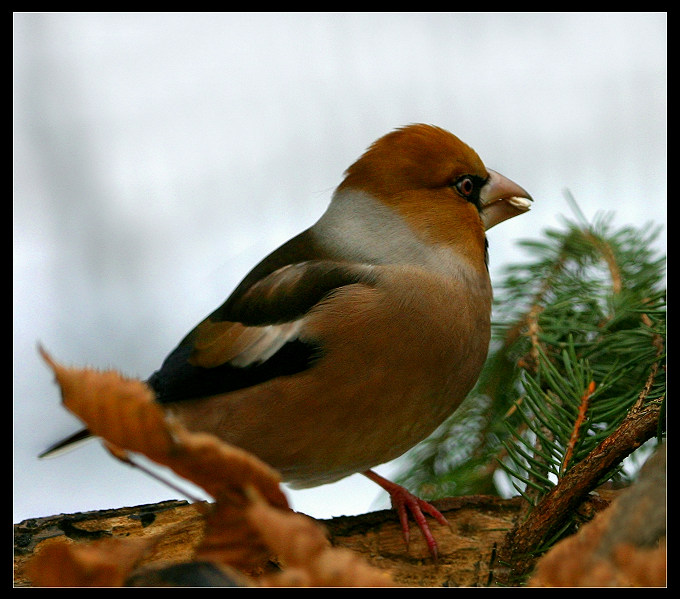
(66, 444)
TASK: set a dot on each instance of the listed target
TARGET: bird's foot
(403, 501)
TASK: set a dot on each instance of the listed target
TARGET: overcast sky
(159, 156)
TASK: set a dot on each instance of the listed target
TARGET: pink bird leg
(403, 500)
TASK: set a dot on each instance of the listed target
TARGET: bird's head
(437, 183)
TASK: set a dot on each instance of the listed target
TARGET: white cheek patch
(362, 229)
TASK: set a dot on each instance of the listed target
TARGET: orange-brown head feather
(414, 170)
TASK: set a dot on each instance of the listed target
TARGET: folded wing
(257, 334)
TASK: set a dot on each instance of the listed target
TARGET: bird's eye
(465, 186)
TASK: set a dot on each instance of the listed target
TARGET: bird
(354, 340)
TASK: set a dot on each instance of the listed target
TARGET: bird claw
(403, 501)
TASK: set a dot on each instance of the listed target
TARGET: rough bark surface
(478, 526)
(622, 541)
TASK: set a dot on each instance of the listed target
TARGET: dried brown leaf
(121, 410)
(251, 518)
(308, 558)
(333, 567)
(339, 567)
(124, 412)
(295, 538)
(222, 469)
(105, 563)
(230, 538)
(624, 545)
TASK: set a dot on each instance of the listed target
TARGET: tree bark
(478, 526)
(624, 545)
(519, 552)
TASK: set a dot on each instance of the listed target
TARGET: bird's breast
(397, 357)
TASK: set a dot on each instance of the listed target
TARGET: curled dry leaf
(230, 539)
(121, 410)
(104, 563)
(341, 567)
(302, 546)
(222, 469)
(575, 562)
(295, 538)
(247, 533)
(250, 519)
(622, 546)
(124, 412)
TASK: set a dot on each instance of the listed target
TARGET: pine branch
(549, 516)
(577, 368)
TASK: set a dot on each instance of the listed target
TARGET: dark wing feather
(179, 380)
(253, 336)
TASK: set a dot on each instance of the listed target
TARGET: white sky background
(158, 157)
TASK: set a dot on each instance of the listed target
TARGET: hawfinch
(354, 340)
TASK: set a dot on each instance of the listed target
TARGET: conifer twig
(522, 546)
(583, 408)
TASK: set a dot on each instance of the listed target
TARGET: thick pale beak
(502, 199)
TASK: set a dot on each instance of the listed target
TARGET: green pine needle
(590, 305)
